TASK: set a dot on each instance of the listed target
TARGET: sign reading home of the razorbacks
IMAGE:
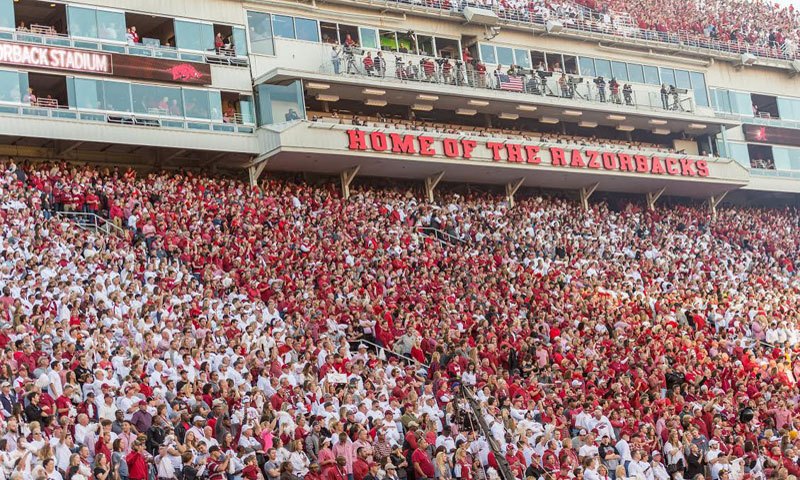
(116, 64)
(526, 153)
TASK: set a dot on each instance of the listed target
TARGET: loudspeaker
(748, 59)
(554, 26)
(480, 16)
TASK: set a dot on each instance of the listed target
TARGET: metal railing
(593, 24)
(92, 222)
(441, 235)
(504, 470)
(40, 37)
(572, 88)
(132, 119)
(387, 353)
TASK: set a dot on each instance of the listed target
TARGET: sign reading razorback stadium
(527, 153)
(57, 58)
(102, 63)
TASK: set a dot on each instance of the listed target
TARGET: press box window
(259, 26)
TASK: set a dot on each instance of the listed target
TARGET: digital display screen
(773, 135)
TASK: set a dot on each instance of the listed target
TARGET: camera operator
(379, 64)
(601, 88)
(336, 58)
(627, 93)
(614, 86)
(428, 68)
(664, 96)
(369, 64)
(675, 99)
(399, 67)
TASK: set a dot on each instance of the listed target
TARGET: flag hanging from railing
(510, 82)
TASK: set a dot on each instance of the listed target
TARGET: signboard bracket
(511, 190)
(430, 184)
(713, 203)
(585, 193)
(347, 177)
(652, 198)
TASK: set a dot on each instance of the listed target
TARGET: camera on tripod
(353, 50)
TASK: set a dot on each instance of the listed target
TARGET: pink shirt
(348, 452)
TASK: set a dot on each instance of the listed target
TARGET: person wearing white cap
(657, 469)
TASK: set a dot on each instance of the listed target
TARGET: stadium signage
(525, 153)
(102, 63)
(56, 58)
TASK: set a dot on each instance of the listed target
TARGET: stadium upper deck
(237, 84)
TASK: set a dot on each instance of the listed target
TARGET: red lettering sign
(529, 154)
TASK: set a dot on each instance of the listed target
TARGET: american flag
(511, 83)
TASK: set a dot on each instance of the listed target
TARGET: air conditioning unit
(480, 16)
(748, 59)
(554, 26)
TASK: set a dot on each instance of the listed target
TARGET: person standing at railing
(627, 93)
(664, 96)
(336, 58)
(369, 64)
(379, 65)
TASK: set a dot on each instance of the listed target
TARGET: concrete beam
(652, 198)
(713, 203)
(62, 148)
(431, 183)
(511, 190)
(346, 178)
(586, 193)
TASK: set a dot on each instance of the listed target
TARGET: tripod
(352, 65)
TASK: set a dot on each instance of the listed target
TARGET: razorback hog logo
(184, 72)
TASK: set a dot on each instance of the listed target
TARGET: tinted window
(487, 54)
(307, 29)
(283, 26)
(587, 67)
(260, 28)
(651, 75)
(635, 73)
(82, 22)
(603, 68)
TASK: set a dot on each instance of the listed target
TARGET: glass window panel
(194, 36)
(9, 86)
(788, 109)
(619, 70)
(111, 25)
(571, 64)
(246, 109)
(667, 76)
(537, 59)
(388, 41)
(196, 104)
(156, 100)
(699, 85)
(348, 34)
(82, 21)
(651, 75)
(306, 29)
(554, 62)
(283, 26)
(215, 105)
(425, 45)
(724, 99)
(487, 54)
(587, 66)
(794, 158)
(330, 32)
(369, 37)
(239, 41)
(406, 43)
(259, 26)
(603, 67)
(7, 14)
(280, 103)
(635, 73)
(117, 96)
(741, 103)
(782, 158)
(89, 94)
(522, 58)
(505, 56)
(682, 79)
(739, 152)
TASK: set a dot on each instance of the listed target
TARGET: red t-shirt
(419, 456)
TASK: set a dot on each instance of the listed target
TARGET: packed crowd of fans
(757, 26)
(220, 337)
